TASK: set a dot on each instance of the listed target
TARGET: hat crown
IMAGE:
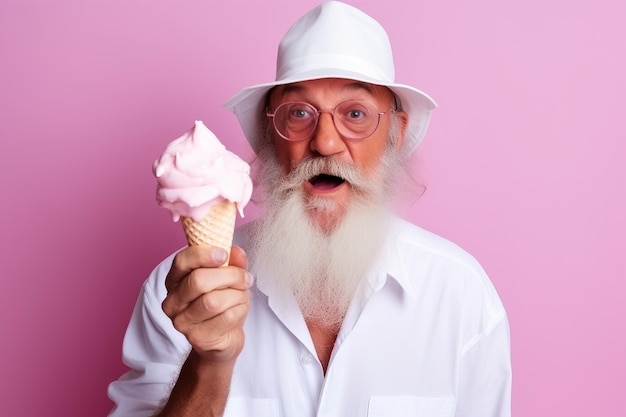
(338, 36)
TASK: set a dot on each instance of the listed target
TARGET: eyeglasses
(353, 119)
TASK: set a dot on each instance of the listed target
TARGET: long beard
(321, 268)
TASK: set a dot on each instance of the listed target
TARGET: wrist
(203, 368)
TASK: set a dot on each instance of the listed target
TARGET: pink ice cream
(196, 171)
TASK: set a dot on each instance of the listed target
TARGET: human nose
(326, 140)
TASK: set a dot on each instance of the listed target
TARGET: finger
(238, 257)
(217, 334)
(209, 306)
(205, 280)
(202, 281)
(191, 258)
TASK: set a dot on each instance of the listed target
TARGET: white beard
(322, 269)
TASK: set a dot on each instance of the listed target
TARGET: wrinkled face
(326, 141)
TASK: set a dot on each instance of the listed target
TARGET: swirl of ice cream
(196, 171)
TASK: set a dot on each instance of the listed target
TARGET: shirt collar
(391, 265)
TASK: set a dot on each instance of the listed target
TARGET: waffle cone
(216, 229)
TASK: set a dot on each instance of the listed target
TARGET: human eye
(354, 112)
(300, 112)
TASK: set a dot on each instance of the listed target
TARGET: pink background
(524, 164)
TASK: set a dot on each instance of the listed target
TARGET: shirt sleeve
(485, 368)
(153, 350)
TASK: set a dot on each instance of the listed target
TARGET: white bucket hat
(334, 40)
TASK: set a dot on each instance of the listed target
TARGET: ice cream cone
(216, 229)
(194, 172)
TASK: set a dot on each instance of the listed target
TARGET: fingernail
(249, 279)
(219, 255)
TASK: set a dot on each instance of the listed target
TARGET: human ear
(402, 123)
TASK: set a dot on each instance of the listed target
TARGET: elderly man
(351, 311)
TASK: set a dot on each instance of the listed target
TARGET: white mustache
(311, 167)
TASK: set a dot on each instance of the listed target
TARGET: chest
(323, 339)
(302, 369)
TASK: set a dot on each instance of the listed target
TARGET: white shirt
(425, 336)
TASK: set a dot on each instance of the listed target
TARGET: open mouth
(326, 182)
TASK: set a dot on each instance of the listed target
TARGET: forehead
(330, 88)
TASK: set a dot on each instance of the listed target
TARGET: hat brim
(247, 104)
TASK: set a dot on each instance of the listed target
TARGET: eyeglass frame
(331, 111)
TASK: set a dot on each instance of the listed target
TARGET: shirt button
(306, 359)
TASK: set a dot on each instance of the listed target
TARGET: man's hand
(208, 303)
